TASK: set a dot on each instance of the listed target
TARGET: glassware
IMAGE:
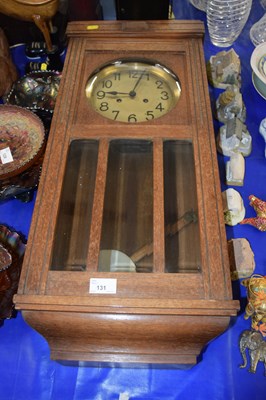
(263, 4)
(226, 19)
(199, 4)
(258, 31)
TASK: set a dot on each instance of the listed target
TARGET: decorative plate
(21, 140)
(12, 249)
(22, 185)
(262, 65)
(36, 91)
(259, 85)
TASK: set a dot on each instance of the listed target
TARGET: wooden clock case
(159, 317)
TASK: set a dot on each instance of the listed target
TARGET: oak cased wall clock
(127, 257)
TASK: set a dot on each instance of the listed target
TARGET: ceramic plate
(262, 65)
(258, 85)
(21, 140)
(5, 258)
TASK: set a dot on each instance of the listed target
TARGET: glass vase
(258, 31)
(226, 19)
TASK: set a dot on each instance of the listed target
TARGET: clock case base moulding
(154, 318)
(129, 338)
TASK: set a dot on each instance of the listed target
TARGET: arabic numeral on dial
(133, 74)
(115, 114)
(159, 107)
(132, 118)
(104, 106)
(159, 84)
(164, 95)
(107, 84)
(100, 94)
(149, 115)
(147, 75)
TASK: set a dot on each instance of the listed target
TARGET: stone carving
(223, 69)
(234, 210)
(241, 258)
(234, 137)
(230, 105)
(235, 170)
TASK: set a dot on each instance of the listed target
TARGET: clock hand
(114, 93)
(133, 93)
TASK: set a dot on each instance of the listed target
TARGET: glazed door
(128, 206)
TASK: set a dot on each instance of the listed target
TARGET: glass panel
(182, 246)
(127, 231)
(73, 222)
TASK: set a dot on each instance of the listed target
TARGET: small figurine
(241, 258)
(259, 221)
(235, 170)
(234, 137)
(262, 131)
(253, 341)
(230, 105)
(223, 69)
(8, 70)
(256, 306)
(234, 210)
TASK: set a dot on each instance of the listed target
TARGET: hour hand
(115, 93)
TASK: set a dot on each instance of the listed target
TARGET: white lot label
(103, 285)
(6, 156)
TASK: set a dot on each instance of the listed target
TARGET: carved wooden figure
(8, 70)
(40, 12)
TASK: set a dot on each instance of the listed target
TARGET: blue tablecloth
(26, 371)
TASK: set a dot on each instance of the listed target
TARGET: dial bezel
(155, 68)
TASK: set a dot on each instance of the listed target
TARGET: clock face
(133, 90)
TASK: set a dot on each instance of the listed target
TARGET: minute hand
(132, 93)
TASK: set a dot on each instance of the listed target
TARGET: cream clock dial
(133, 90)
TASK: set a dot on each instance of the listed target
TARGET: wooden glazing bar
(98, 203)
(158, 207)
(74, 257)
